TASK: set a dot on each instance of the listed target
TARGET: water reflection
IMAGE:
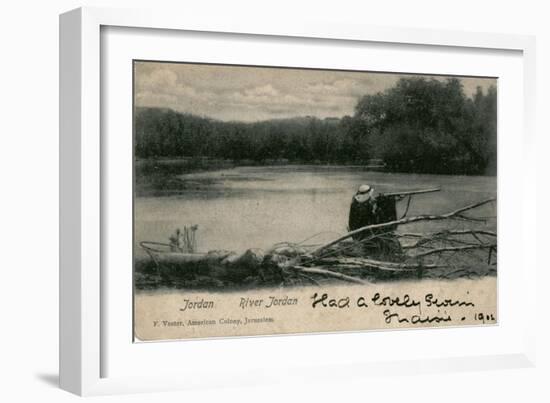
(247, 207)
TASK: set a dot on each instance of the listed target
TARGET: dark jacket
(360, 215)
(385, 211)
(372, 211)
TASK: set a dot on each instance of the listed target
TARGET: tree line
(419, 125)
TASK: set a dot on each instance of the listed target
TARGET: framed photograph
(237, 198)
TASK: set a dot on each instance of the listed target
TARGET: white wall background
(29, 201)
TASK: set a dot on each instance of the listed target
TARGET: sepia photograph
(280, 200)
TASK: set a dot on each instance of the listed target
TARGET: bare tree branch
(448, 232)
(362, 263)
(402, 221)
(316, 270)
(452, 249)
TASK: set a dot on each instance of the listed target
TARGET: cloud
(264, 90)
(256, 93)
(161, 78)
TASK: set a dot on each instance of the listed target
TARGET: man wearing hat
(367, 210)
(362, 210)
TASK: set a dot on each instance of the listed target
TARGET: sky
(250, 94)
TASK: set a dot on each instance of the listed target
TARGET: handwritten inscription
(429, 300)
(317, 309)
(413, 307)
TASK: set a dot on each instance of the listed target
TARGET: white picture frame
(83, 302)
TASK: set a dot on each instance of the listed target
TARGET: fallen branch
(303, 275)
(466, 218)
(402, 222)
(315, 270)
(452, 249)
(356, 262)
(352, 245)
(446, 236)
(448, 232)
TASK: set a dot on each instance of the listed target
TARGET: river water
(256, 207)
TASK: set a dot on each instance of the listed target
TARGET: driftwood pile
(446, 253)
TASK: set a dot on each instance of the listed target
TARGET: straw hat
(363, 193)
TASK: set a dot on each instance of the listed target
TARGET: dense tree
(419, 125)
(165, 133)
(430, 126)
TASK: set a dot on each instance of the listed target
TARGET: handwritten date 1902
(484, 317)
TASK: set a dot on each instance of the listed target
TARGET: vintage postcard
(273, 200)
